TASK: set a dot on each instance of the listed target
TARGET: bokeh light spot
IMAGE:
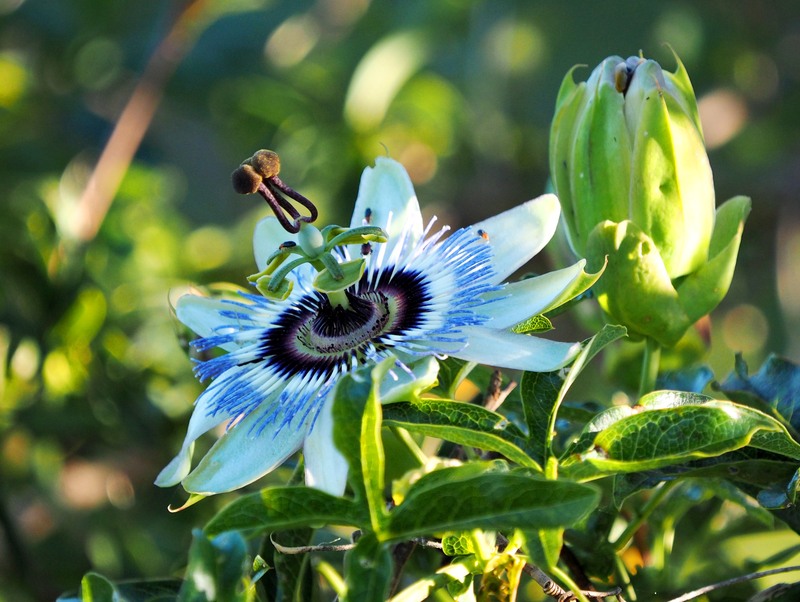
(745, 328)
(208, 248)
(25, 361)
(14, 78)
(515, 47)
(757, 75)
(682, 28)
(723, 114)
(291, 42)
(98, 63)
(380, 75)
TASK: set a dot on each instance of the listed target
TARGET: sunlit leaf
(459, 499)
(670, 427)
(543, 393)
(461, 423)
(357, 412)
(278, 508)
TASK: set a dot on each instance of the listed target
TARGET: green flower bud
(630, 168)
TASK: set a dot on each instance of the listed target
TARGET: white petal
(520, 233)
(267, 237)
(326, 467)
(516, 351)
(387, 196)
(244, 454)
(200, 423)
(202, 315)
(519, 301)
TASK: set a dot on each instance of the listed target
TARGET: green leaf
(461, 423)
(350, 398)
(457, 544)
(534, 324)
(748, 467)
(669, 427)
(279, 508)
(368, 571)
(456, 577)
(540, 399)
(291, 579)
(543, 392)
(452, 372)
(96, 588)
(216, 568)
(155, 590)
(357, 414)
(775, 387)
(453, 499)
(544, 546)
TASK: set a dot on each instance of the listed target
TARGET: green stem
(657, 497)
(569, 583)
(624, 579)
(415, 450)
(650, 361)
(331, 575)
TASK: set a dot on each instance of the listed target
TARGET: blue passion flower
(422, 295)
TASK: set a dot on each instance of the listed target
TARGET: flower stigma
(259, 174)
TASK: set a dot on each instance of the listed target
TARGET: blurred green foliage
(95, 379)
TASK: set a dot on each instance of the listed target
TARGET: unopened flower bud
(628, 161)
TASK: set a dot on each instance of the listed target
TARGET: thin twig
(553, 589)
(741, 579)
(344, 547)
(495, 396)
(325, 547)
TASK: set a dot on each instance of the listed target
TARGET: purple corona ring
(423, 295)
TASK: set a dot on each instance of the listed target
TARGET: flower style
(421, 296)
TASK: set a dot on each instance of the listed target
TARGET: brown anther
(483, 234)
(266, 163)
(245, 180)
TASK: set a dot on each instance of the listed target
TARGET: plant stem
(567, 580)
(650, 362)
(657, 497)
(405, 437)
